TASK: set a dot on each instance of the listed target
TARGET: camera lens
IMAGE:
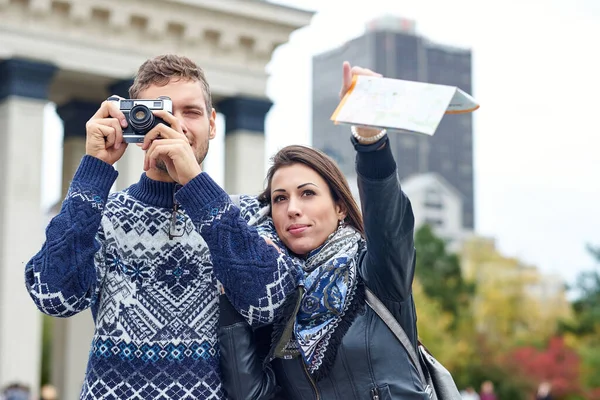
(141, 118)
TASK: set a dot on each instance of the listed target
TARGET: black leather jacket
(370, 362)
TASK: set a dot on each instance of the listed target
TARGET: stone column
(244, 143)
(74, 115)
(131, 165)
(23, 96)
(72, 336)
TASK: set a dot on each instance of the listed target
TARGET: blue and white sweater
(146, 273)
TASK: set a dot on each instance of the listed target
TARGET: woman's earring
(340, 224)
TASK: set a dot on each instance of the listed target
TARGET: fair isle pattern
(55, 303)
(80, 192)
(155, 303)
(266, 284)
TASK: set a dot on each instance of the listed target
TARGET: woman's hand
(348, 73)
(269, 241)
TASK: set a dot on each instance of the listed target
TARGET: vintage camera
(140, 119)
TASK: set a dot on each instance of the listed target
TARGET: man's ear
(212, 125)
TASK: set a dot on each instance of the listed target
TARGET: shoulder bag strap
(387, 317)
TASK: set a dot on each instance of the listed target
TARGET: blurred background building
(392, 47)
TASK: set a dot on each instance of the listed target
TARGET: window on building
(434, 222)
(433, 198)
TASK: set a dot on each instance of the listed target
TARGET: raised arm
(389, 264)
(62, 278)
(257, 278)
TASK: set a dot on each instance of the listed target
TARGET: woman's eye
(308, 193)
(277, 199)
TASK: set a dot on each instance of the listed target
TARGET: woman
(326, 343)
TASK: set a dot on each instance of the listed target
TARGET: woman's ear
(340, 211)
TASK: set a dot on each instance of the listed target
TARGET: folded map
(400, 105)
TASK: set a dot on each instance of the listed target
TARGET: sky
(535, 74)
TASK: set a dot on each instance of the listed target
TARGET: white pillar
(74, 115)
(72, 336)
(71, 342)
(244, 162)
(23, 93)
(244, 143)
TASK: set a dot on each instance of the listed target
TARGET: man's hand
(104, 133)
(348, 74)
(171, 146)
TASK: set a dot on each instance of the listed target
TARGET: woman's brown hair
(327, 169)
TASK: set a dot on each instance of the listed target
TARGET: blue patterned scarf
(330, 287)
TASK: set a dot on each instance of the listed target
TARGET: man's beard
(202, 151)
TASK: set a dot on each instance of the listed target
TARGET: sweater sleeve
(62, 278)
(257, 278)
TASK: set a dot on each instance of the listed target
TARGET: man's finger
(114, 123)
(163, 151)
(115, 109)
(170, 119)
(152, 152)
(163, 132)
(109, 134)
(110, 109)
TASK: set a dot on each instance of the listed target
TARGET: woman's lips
(297, 229)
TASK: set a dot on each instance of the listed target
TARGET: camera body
(139, 116)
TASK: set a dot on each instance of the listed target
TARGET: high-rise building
(391, 47)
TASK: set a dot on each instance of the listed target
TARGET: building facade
(438, 204)
(75, 54)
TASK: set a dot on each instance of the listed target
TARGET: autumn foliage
(556, 363)
(489, 317)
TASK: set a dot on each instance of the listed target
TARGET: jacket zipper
(375, 394)
(313, 384)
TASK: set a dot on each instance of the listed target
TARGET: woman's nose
(294, 209)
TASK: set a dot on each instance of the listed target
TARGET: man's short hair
(159, 71)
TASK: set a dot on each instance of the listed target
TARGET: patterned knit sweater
(143, 267)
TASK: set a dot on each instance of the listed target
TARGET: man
(135, 257)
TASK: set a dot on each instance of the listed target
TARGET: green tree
(439, 272)
(587, 305)
(47, 326)
(585, 324)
